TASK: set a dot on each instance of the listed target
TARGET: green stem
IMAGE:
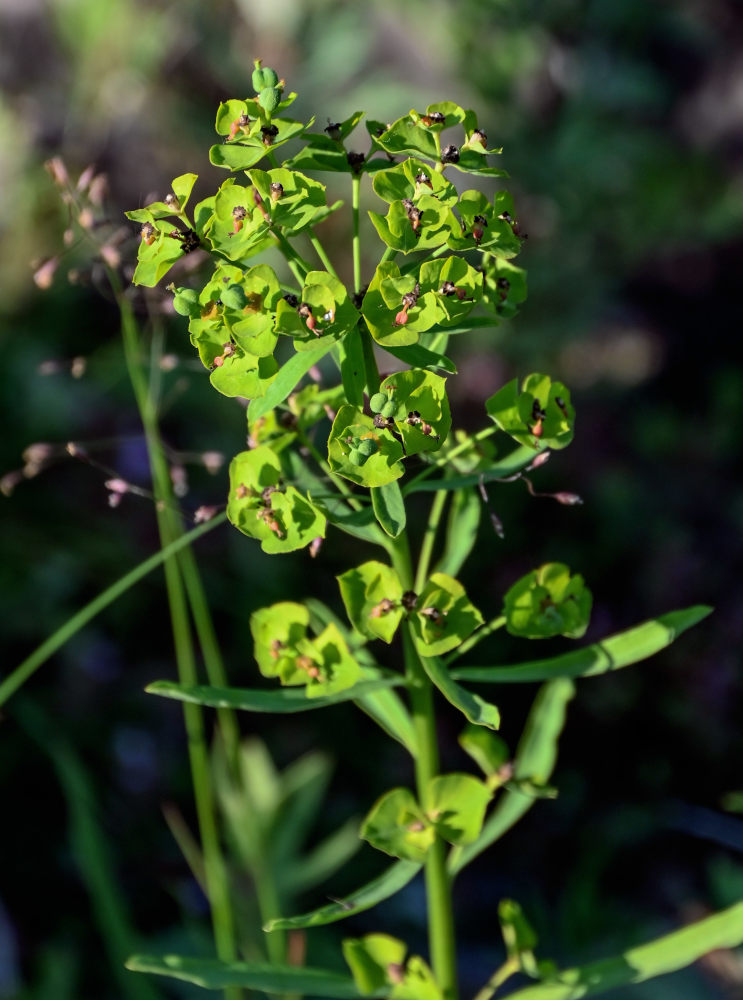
(499, 977)
(169, 528)
(320, 251)
(293, 259)
(389, 254)
(424, 560)
(438, 882)
(355, 197)
(79, 620)
(478, 636)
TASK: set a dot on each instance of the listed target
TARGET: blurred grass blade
(91, 851)
(316, 867)
(380, 888)
(461, 531)
(535, 759)
(279, 980)
(389, 508)
(282, 701)
(304, 784)
(286, 380)
(391, 715)
(73, 625)
(636, 965)
(474, 708)
(617, 651)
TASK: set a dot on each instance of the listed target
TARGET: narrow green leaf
(666, 954)
(287, 379)
(515, 462)
(385, 885)
(389, 508)
(317, 866)
(474, 708)
(284, 701)
(353, 373)
(613, 653)
(211, 974)
(461, 531)
(386, 708)
(72, 626)
(418, 356)
(535, 759)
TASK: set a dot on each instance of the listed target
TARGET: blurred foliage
(622, 133)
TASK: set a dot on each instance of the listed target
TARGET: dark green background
(621, 128)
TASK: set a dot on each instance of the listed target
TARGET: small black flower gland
(382, 423)
(450, 154)
(433, 118)
(449, 288)
(305, 311)
(268, 134)
(333, 130)
(560, 404)
(409, 600)
(189, 239)
(479, 136)
(148, 234)
(172, 202)
(277, 191)
(436, 617)
(383, 608)
(308, 665)
(239, 214)
(479, 225)
(288, 420)
(408, 302)
(537, 415)
(358, 297)
(423, 178)
(355, 160)
(275, 648)
(413, 418)
(291, 299)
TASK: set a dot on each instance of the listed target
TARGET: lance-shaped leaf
(417, 403)
(372, 596)
(461, 531)
(518, 937)
(613, 653)
(485, 225)
(396, 877)
(456, 804)
(443, 617)
(488, 750)
(546, 602)
(541, 415)
(474, 708)
(180, 193)
(287, 378)
(361, 452)
(212, 974)
(418, 356)
(389, 508)
(535, 760)
(397, 825)
(666, 954)
(258, 505)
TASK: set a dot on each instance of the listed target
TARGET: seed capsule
(377, 401)
(268, 134)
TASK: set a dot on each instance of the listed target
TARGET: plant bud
(377, 401)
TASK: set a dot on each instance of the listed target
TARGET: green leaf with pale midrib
(212, 974)
(380, 888)
(613, 653)
(636, 965)
(282, 701)
(474, 708)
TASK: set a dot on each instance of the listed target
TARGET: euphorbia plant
(341, 449)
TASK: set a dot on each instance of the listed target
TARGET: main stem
(441, 939)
